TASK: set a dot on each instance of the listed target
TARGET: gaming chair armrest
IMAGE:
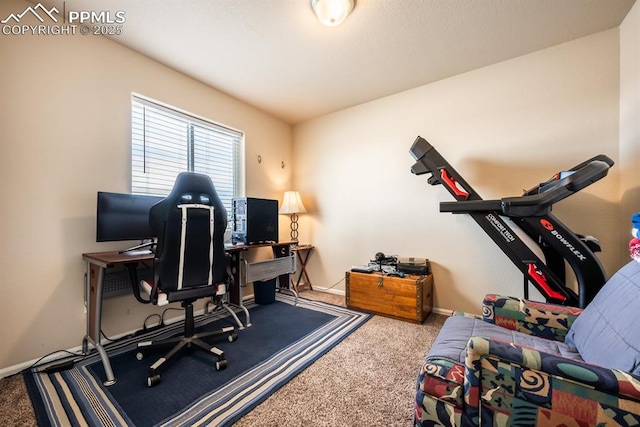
(135, 283)
(545, 320)
(148, 288)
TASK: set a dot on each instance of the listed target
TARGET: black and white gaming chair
(190, 263)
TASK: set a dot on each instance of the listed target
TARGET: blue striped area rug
(283, 340)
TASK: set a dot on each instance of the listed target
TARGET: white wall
(65, 121)
(629, 118)
(504, 128)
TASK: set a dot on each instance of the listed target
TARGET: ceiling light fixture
(332, 12)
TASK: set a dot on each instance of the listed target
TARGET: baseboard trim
(329, 290)
(444, 311)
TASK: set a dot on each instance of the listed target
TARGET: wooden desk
(99, 262)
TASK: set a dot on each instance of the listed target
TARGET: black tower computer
(254, 221)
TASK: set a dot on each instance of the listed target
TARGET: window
(165, 142)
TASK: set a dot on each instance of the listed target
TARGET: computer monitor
(122, 216)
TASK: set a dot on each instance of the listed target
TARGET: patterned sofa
(529, 363)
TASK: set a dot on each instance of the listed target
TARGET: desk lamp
(292, 205)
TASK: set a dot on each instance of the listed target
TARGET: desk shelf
(270, 269)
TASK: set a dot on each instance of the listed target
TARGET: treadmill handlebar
(539, 203)
(582, 175)
(534, 202)
(600, 158)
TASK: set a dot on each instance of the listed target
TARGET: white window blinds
(165, 142)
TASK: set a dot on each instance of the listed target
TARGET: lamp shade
(291, 203)
(332, 12)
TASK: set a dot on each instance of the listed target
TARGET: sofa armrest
(539, 364)
(443, 380)
(439, 393)
(545, 320)
(506, 382)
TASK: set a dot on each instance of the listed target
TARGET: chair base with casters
(225, 305)
(223, 302)
(190, 340)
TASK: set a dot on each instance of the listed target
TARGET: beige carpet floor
(366, 380)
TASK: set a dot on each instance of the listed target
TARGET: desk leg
(235, 293)
(93, 291)
(284, 280)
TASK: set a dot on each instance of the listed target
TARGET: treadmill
(531, 212)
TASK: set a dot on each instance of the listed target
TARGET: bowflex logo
(548, 226)
(38, 20)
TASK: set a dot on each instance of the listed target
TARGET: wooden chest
(408, 298)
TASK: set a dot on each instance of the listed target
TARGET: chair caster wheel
(232, 337)
(221, 364)
(153, 380)
(139, 355)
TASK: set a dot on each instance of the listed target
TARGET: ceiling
(275, 55)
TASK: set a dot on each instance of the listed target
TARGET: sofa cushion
(607, 332)
(452, 340)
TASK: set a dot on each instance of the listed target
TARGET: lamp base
(294, 228)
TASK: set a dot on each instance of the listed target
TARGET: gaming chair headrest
(189, 187)
(192, 187)
(165, 219)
